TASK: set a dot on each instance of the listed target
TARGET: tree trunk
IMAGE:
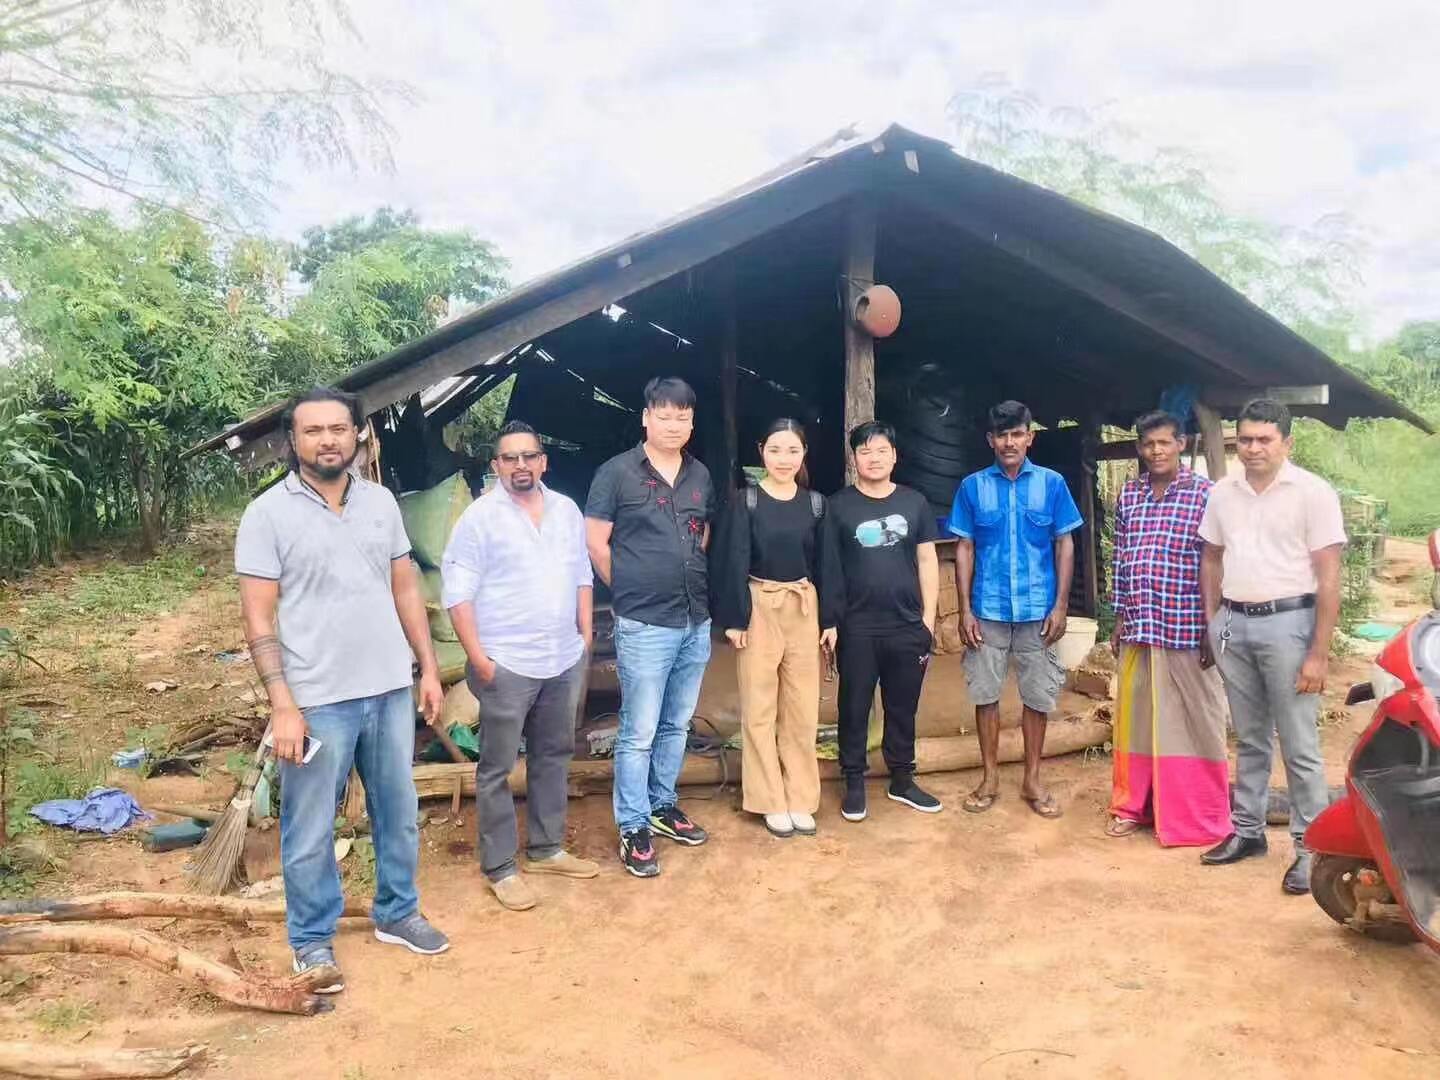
(293, 995)
(76, 1063)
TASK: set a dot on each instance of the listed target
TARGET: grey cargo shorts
(1037, 665)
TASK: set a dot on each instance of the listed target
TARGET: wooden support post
(729, 371)
(1088, 558)
(857, 264)
(1212, 440)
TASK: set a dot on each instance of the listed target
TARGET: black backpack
(752, 500)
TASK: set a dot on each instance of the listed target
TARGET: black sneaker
(638, 854)
(852, 807)
(903, 789)
(671, 821)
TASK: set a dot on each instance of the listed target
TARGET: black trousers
(897, 660)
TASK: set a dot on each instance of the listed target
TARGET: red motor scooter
(1377, 850)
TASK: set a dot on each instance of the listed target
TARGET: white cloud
(557, 126)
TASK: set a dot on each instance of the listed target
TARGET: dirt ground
(990, 946)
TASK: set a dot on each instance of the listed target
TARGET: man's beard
(522, 483)
(331, 472)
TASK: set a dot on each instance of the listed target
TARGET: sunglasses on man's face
(526, 457)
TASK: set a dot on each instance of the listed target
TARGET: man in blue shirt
(1012, 570)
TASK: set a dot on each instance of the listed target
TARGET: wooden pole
(857, 274)
(1088, 559)
(136, 905)
(291, 995)
(729, 371)
(946, 753)
(1213, 440)
(92, 1063)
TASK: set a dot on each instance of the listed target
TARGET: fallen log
(290, 995)
(76, 1063)
(946, 753)
(135, 905)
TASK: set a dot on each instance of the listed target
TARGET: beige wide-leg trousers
(779, 676)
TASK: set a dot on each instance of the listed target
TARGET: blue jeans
(660, 670)
(377, 735)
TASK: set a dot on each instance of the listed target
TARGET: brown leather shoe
(513, 893)
(564, 864)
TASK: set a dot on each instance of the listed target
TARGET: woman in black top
(763, 573)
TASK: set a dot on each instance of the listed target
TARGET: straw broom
(215, 867)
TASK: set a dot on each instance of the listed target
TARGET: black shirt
(657, 564)
(869, 559)
(778, 542)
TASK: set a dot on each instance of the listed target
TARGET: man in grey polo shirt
(519, 591)
(332, 611)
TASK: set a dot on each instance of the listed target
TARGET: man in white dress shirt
(518, 586)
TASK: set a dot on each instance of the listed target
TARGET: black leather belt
(1272, 607)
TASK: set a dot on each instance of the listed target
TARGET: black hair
(861, 434)
(1009, 414)
(1156, 419)
(322, 393)
(785, 423)
(516, 427)
(1266, 411)
(669, 390)
(314, 394)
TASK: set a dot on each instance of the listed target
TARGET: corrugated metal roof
(1120, 254)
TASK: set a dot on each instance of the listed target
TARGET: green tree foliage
(321, 244)
(175, 102)
(1295, 274)
(367, 298)
(139, 339)
(145, 339)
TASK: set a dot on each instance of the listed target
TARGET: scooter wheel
(1332, 883)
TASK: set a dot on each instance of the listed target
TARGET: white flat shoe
(804, 824)
(779, 825)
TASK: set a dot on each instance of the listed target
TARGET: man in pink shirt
(1270, 583)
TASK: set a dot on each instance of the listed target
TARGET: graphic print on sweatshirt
(882, 532)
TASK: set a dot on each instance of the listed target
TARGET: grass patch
(40, 780)
(359, 875)
(120, 589)
(55, 1017)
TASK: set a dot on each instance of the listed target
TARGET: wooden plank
(629, 273)
(1229, 399)
(858, 270)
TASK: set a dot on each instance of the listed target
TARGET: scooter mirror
(1360, 692)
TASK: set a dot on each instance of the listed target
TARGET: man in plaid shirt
(1170, 762)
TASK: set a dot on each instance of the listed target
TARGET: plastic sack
(430, 516)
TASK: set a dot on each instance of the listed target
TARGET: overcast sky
(555, 127)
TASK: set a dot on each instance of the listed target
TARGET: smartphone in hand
(312, 747)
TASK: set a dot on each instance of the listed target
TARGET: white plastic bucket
(1079, 639)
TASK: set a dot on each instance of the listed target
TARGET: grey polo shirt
(339, 631)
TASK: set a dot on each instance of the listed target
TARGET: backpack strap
(817, 505)
(752, 498)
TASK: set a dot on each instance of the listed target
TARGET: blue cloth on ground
(104, 810)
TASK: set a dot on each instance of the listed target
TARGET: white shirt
(520, 580)
(1268, 536)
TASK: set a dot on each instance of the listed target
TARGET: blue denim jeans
(377, 735)
(660, 670)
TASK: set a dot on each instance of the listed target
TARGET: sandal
(1120, 826)
(977, 802)
(1044, 805)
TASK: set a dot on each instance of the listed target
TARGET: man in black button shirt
(882, 585)
(647, 526)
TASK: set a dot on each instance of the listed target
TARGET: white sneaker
(779, 825)
(804, 824)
